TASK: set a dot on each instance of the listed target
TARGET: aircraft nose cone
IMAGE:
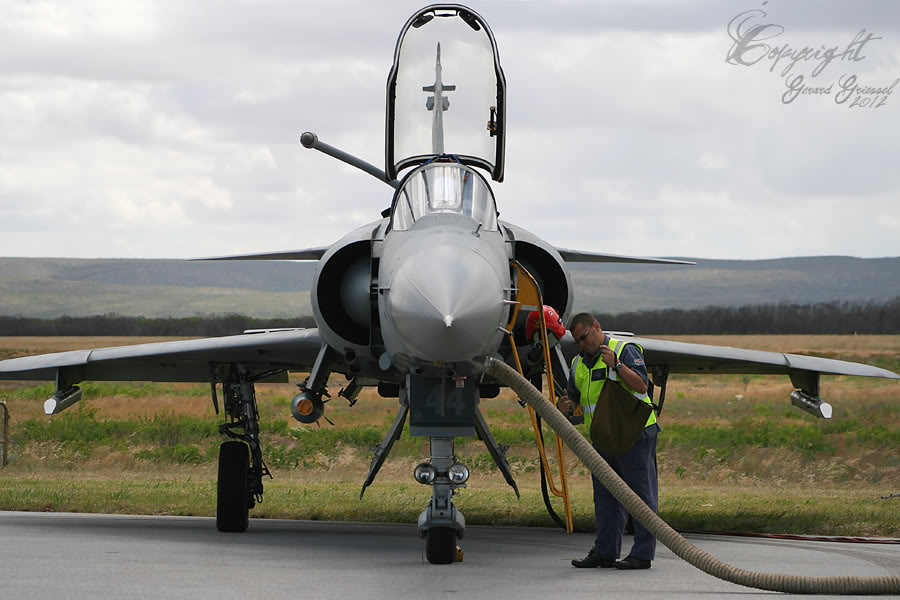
(446, 304)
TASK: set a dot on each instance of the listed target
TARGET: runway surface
(80, 556)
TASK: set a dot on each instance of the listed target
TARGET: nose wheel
(440, 545)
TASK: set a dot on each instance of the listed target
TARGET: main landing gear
(232, 496)
(241, 466)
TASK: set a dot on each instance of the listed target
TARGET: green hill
(52, 287)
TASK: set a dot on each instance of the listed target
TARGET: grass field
(733, 455)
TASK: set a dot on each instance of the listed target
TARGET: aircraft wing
(304, 254)
(185, 360)
(684, 357)
(579, 256)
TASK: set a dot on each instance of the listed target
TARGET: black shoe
(629, 563)
(592, 560)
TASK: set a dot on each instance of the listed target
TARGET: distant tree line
(824, 317)
(114, 324)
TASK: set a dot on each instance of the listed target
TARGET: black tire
(440, 545)
(232, 510)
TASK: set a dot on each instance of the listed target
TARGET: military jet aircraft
(414, 301)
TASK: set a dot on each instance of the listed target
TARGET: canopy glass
(442, 188)
(445, 92)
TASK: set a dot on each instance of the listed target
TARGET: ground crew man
(603, 358)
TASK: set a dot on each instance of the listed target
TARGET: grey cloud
(685, 15)
(673, 145)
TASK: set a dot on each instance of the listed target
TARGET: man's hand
(565, 405)
(608, 356)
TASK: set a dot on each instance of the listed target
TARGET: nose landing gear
(441, 524)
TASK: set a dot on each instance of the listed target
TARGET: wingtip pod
(62, 400)
(814, 406)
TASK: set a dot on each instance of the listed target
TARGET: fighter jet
(414, 301)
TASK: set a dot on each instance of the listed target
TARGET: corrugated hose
(674, 541)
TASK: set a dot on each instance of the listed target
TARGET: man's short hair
(586, 320)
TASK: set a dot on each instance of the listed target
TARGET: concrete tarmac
(81, 556)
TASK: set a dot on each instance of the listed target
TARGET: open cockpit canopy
(442, 188)
(446, 92)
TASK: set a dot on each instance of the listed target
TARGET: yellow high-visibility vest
(590, 382)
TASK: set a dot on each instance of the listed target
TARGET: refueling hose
(793, 584)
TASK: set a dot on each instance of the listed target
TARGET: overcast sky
(170, 129)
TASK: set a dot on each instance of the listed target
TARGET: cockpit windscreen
(444, 188)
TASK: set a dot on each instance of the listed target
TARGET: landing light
(424, 473)
(458, 473)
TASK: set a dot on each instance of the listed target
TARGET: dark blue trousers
(637, 468)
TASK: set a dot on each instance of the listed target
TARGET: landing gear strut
(241, 466)
(441, 523)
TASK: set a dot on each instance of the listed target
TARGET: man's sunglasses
(583, 337)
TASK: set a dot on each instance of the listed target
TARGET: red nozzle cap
(551, 317)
